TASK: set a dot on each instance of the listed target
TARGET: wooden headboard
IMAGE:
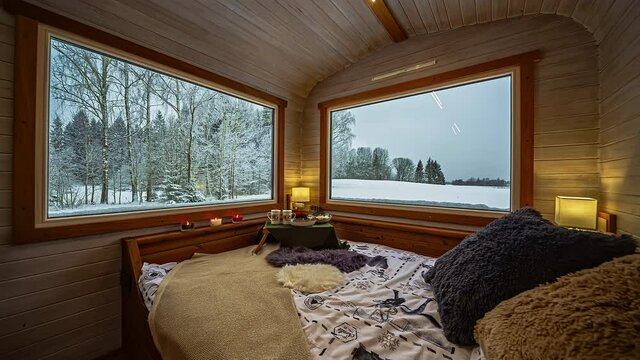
(160, 248)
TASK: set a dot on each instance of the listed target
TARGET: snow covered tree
(342, 123)
(380, 169)
(404, 168)
(419, 173)
(363, 163)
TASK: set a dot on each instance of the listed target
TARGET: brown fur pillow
(590, 314)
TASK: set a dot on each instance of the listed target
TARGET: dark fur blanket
(345, 260)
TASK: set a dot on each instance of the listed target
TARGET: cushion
(150, 278)
(310, 278)
(590, 314)
(510, 255)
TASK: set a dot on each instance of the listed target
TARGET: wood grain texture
(568, 71)
(619, 131)
(387, 20)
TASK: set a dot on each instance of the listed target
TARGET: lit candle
(236, 218)
(186, 225)
(216, 222)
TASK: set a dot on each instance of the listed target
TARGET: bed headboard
(162, 248)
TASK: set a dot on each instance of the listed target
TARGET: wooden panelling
(620, 114)
(566, 107)
(419, 239)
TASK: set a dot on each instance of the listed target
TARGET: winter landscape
(446, 148)
(126, 138)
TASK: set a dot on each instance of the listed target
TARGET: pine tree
(419, 174)
(363, 163)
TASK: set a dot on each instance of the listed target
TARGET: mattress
(384, 310)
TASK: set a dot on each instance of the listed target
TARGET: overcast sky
(470, 136)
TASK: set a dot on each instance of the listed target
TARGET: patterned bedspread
(385, 310)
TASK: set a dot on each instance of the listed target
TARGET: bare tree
(82, 77)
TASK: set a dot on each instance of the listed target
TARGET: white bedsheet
(385, 310)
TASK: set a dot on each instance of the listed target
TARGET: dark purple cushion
(510, 255)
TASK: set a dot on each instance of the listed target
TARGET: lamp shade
(578, 212)
(300, 194)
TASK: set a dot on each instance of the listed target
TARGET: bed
(385, 310)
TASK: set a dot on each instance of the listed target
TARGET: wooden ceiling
(419, 17)
(285, 47)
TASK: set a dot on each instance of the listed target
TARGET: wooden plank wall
(61, 299)
(566, 94)
(619, 137)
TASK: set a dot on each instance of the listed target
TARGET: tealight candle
(236, 218)
(186, 225)
(216, 222)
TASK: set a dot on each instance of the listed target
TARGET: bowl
(322, 218)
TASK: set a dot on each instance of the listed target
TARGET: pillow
(591, 314)
(310, 278)
(510, 255)
(150, 278)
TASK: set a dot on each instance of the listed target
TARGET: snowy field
(127, 206)
(387, 191)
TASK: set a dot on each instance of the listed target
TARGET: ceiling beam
(380, 9)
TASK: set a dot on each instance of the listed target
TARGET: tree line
(120, 133)
(366, 164)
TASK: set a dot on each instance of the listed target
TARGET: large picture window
(110, 135)
(454, 147)
(447, 147)
(125, 138)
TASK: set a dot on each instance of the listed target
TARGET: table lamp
(576, 212)
(299, 196)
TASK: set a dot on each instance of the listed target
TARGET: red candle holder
(236, 218)
(186, 225)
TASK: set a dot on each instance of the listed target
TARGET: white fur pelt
(310, 278)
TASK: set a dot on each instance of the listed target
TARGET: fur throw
(310, 278)
(345, 260)
(589, 315)
(510, 255)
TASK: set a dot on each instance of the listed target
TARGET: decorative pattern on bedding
(383, 311)
(150, 278)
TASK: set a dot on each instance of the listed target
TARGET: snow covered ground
(387, 191)
(126, 206)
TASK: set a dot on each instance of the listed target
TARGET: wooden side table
(316, 236)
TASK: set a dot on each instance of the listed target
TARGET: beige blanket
(226, 306)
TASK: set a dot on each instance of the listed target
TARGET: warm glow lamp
(299, 196)
(576, 212)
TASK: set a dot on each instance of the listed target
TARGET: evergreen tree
(419, 174)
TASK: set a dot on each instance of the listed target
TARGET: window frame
(521, 67)
(33, 28)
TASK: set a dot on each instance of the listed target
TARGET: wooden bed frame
(137, 342)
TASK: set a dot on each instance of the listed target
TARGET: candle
(186, 225)
(236, 218)
(216, 222)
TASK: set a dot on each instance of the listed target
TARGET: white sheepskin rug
(310, 278)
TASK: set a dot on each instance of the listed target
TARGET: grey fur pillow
(510, 255)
